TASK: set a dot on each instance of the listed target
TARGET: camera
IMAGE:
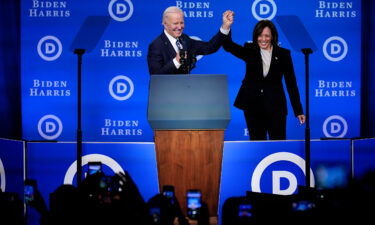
(94, 167)
(303, 205)
(194, 203)
(155, 214)
(29, 190)
(168, 191)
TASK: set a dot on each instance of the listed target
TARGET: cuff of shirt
(176, 63)
(224, 31)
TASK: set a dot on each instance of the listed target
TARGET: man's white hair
(171, 9)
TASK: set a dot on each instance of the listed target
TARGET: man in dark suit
(173, 52)
(262, 96)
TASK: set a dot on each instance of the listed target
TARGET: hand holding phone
(168, 191)
(94, 167)
(194, 203)
(29, 190)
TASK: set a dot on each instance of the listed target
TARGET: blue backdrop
(115, 74)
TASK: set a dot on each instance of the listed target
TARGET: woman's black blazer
(266, 93)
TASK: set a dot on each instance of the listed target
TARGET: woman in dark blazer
(262, 96)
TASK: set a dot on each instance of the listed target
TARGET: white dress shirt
(266, 60)
(173, 42)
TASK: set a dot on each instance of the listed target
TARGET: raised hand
(228, 18)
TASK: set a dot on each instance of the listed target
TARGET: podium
(189, 114)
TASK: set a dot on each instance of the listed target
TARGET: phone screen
(29, 193)
(168, 194)
(244, 210)
(168, 191)
(303, 205)
(193, 203)
(155, 214)
(29, 190)
(94, 167)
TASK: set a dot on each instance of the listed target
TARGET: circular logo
(264, 9)
(120, 10)
(50, 127)
(197, 39)
(335, 126)
(49, 48)
(121, 87)
(111, 163)
(275, 157)
(335, 48)
(2, 176)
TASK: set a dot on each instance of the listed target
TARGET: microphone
(193, 60)
(183, 53)
(181, 49)
(187, 59)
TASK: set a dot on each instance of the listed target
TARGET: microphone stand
(79, 53)
(193, 61)
(306, 52)
(188, 61)
(184, 61)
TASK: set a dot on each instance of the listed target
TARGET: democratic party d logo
(278, 175)
(264, 9)
(335, 48)
(50, 127)
(120, 10)
(121, 87)
(335, 126)
(49, 48)
(105, 160)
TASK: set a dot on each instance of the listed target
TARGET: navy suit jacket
(161, 52)
(266, 93)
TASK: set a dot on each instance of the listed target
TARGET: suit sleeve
(291, 85)
(156, 61)
(234, 48)
(212, 46)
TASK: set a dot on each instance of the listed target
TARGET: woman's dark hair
(258, 29)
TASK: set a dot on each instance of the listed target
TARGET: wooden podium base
(191, 159)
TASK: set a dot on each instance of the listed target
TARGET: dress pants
(260, 124)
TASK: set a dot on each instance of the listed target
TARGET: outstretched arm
(205, 48)
(229, 45)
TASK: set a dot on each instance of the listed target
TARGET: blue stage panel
(12, 166)
(52, 164)
(277, 167)
(363, 157)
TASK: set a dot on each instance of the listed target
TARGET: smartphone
(303, 205)
(194, 203)
(94, 167)
(245, 210)
(155, 214)
(168, 191)
(29, 190)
